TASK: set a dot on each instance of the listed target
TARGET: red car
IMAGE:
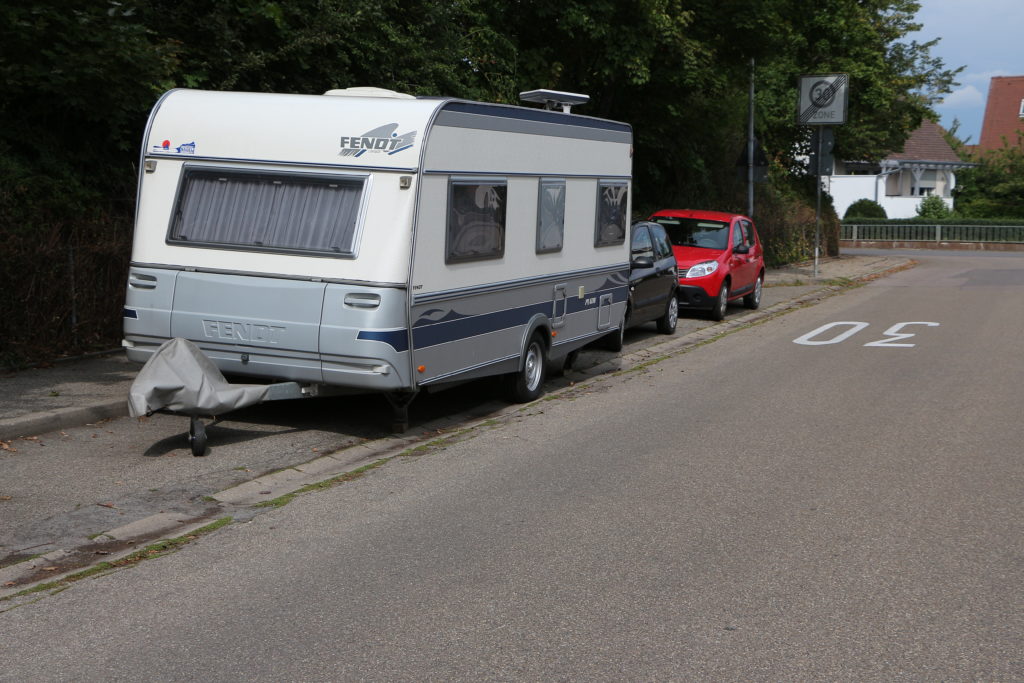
(719, 256)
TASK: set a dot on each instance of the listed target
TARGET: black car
(653, 281)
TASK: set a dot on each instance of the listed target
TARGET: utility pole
(750, 145)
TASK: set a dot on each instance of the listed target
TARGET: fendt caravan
(371, 241)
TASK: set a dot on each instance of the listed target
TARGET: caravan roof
(364, 128)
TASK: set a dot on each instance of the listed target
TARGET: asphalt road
(65, 486)
(846, 508)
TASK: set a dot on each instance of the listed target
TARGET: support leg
(400, 410)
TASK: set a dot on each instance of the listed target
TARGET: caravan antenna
(552, 99)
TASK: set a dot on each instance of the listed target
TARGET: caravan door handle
(362, 300)
(141, 281)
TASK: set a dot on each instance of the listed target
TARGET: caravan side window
(476, 220)
(267, 212)
(550, 215)
(612, 200)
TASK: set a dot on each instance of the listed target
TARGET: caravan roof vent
(369, 92)
(552, 99)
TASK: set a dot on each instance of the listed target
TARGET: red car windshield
(695, 232)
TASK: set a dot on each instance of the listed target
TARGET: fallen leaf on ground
(5, 446)
(50, 569)
(106, 505)
(8, 584)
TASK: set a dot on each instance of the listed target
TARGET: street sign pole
(817, 208)
(821, 101)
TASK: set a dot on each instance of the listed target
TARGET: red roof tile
(926, 144)
(1003, 112)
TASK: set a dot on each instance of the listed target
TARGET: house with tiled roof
(926, 166)
(1004, 114)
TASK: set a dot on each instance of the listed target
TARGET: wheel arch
(538, 323)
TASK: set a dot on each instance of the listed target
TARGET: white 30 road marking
(892, 335)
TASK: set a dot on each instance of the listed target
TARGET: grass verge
(158, 549)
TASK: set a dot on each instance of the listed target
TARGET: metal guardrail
(922, 232)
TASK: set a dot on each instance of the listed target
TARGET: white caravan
(370, 241)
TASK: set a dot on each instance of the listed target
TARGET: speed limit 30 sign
(823, 99)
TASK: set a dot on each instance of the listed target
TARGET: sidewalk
(77, 392)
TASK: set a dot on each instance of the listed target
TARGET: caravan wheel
(197, 437)
(528, 383)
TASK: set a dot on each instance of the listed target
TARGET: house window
(923, 184)
(1021, 114)
(267, 211)
(476, 220)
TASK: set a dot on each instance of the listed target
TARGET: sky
(986, 37)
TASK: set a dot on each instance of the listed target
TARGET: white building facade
(926, 167)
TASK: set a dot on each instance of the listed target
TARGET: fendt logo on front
(379, 140)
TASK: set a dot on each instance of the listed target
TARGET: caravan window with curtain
(612, 202)
(476, 219)
(268, 212)
(550, 215)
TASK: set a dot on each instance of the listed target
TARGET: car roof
(694, 213)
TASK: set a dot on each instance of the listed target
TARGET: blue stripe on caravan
(426, 334)
(473, 326)
(398, 339)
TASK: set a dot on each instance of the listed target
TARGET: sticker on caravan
(379, 140)
(185, 148)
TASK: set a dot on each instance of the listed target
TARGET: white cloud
(964, 97)
(981, 79)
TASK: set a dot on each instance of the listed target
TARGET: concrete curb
(63, 418)
(23, 571)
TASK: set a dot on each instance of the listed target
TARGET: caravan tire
(528, 383)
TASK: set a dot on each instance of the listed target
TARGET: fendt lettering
(235, 331)
(370, 143)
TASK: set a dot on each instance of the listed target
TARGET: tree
(995, 187)
(933, 207)
(893, 83)
(77, 84)
(80, 80)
